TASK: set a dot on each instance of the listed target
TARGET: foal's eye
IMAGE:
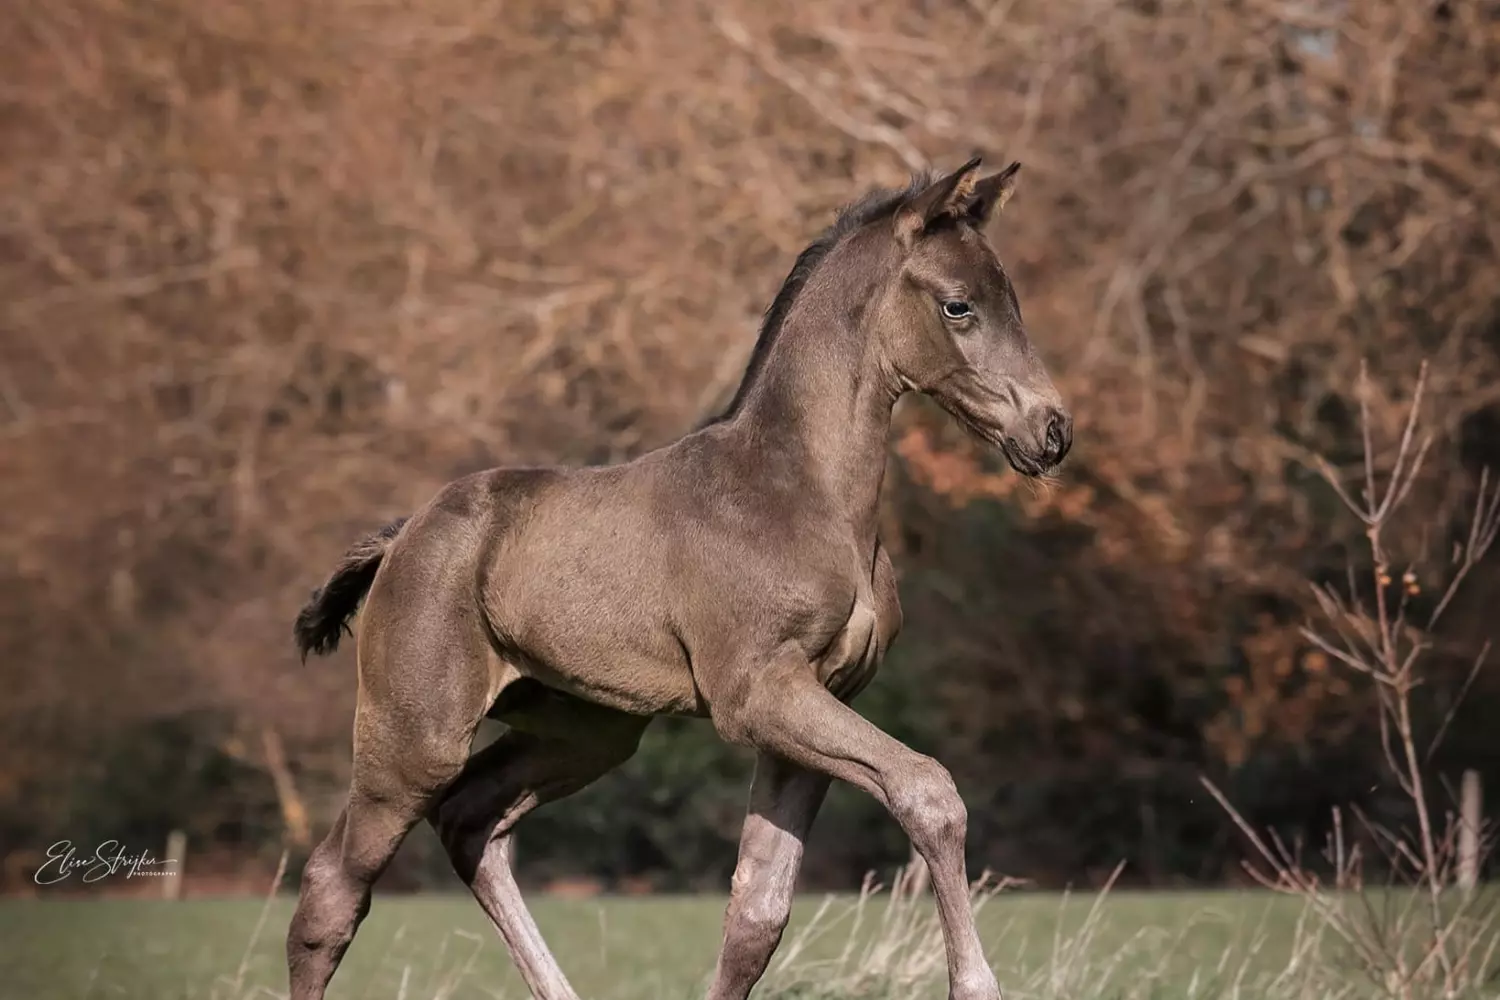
(957, 309)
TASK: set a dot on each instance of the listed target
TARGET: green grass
(426, 947)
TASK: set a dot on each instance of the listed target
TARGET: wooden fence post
(171, 885)
(1471, 808)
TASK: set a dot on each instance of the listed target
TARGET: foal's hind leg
(336, 886)
(415, 718)
(784, 801)
(386, 799)
(566, 745)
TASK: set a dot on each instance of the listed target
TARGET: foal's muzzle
(1043, 444)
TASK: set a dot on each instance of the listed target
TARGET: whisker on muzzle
(1044, 483)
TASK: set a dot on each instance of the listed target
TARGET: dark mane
(880, 203)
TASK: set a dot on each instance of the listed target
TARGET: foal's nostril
(1059, 437)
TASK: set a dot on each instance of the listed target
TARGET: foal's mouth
(966, 412)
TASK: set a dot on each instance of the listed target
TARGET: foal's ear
(990, 195)
(945, 196)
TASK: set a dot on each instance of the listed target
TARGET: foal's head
(949, 324)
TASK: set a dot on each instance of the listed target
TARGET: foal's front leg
(782, 709)
(784, 800)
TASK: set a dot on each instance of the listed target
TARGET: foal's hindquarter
(429, 670)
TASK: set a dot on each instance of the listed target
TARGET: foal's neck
(820, 406)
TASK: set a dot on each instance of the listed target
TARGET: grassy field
(421, 948)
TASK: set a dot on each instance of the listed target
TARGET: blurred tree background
(272, 272)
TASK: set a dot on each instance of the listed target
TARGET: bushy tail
(328, 612)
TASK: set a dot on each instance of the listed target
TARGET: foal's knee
(927, 805)
(760, 920)
(756, 923)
